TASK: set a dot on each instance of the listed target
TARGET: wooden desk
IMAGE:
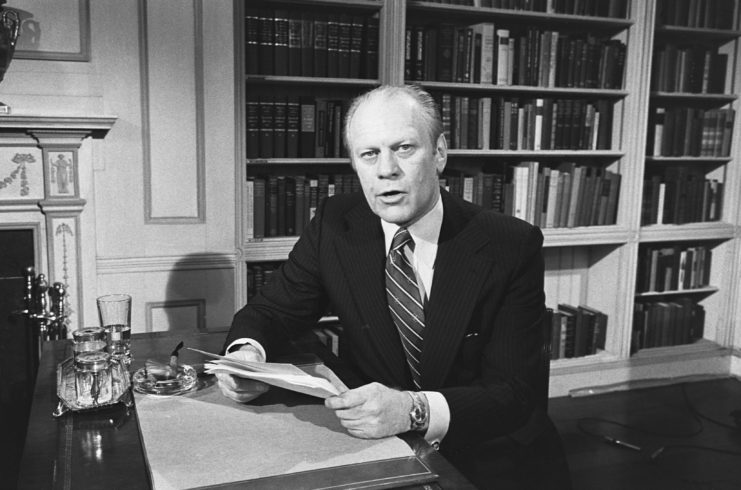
(103, 449)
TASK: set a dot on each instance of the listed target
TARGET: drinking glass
(114, 311)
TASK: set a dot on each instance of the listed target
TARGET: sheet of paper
(285, 376)
(203, 438)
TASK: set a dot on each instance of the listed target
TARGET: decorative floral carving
(21, 159)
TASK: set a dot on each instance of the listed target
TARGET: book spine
(370, 44)
(280, 42)
(307, 134)
(253, 127)
(280, 125)
(293, 126)
(267, 121)
(266, 42)
(356, 46)
(333, 45)
(295, 28)
(345, 39)
(320, 46)
(252, 41)
(307, 44)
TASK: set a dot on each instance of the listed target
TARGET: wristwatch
(418, 415)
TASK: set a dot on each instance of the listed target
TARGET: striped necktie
(404, 301)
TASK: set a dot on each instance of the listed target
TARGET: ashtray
(151, 382)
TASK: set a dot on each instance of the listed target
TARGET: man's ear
(441, 153)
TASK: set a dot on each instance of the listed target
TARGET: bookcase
(608, 123)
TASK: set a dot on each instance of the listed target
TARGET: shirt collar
(425, 233)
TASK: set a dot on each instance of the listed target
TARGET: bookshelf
(592, 71)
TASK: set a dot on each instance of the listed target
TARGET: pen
(620, 443)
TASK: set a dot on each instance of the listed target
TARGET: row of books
(291, 127)
(598, 8)
(515, 123)
(258, 275)
(532, 57)
(566, 196)
(673, 268)
(681, 196)
(310, 44)
(696, 69)
(711, 14)
(576, 331)
(667, 323)
(690, 131)
(282, 205)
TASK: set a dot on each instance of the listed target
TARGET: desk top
(101, 449)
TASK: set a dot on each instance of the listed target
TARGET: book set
(281, 205)
(681, 195)
(690, 131)
(671, 268)
(482, 53)
(693, 69)
(666, 323)
(576, 331)
(710, 14)
(524, 123)
(294, 127)
(285, 42)
(562, 196)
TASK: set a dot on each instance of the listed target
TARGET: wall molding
(165, 263)
(199, 304)
(199, 136)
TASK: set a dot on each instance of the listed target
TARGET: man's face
(396, 162)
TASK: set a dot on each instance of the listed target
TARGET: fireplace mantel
(46, 182)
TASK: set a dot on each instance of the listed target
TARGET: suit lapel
(362, 254)
(459, 274)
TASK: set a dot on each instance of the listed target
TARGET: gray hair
(428, 109)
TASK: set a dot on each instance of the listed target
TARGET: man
(446, 331)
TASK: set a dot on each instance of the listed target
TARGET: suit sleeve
(292, 301)
(502, 399)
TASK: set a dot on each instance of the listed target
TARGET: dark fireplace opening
(16, 377)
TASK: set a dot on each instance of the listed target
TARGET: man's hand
(372, 411)
(240, 389)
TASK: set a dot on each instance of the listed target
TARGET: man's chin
(393, 215)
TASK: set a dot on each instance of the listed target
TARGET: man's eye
(368, 154)
(405, 148)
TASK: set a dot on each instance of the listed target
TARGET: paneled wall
(162, 181)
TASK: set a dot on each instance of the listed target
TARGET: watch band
(419, 416)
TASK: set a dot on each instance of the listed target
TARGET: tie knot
(401, 238)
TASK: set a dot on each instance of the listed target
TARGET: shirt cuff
(439, 417)
(254, 343)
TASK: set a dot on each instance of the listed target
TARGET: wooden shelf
(713, 230)
(344, 4)
(524, 89)
(697, 33)
(297, 161)
(530, 154)
(710, 161)
(585, 236)
(311, 81)
(482, 14)
(707, 99)
(680, 292)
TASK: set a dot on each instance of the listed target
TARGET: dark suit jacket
(483, 321)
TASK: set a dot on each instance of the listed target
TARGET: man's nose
(387, 165)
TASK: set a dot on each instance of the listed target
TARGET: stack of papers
(285, 376)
